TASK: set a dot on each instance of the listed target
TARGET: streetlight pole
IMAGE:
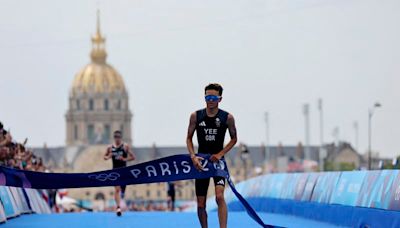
(267, 156)
(370, 114)
(306, 112)
(322, 152)
(321, 122)
(355, 125)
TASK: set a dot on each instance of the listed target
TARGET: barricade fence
(351, 198)
(17, 201)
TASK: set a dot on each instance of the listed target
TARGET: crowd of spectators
(16, 155)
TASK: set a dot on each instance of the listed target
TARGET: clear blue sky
(270, 55)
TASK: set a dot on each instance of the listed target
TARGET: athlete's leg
(219, 197)
(201, 211)
(117, 196)
(118, 200)
(169, 202)
(173, 202)
(201, 193)
(123, 188)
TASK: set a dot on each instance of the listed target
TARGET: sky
(270, 55)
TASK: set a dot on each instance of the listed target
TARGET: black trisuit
(210, 135)
(118, 152)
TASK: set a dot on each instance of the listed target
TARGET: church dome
(98, 76)
(98, 100)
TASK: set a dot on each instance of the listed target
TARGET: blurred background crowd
(16, 155)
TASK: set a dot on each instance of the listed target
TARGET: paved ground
(152, 219)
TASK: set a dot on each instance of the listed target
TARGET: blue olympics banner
(172, 168)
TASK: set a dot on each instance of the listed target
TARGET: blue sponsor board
(394, 201)
(382, 191)
(253, 187)
(2, 214)
(325, 184)
(288, 186)
(266, 183)
(6, 200)
(348, 188)
(275, 185)
(301, 185)
(367, 187)
(309, 187)
(293, 186)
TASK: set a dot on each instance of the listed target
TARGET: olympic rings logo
(105, 176)
(219, 165)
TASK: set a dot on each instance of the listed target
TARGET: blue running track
(152, 219)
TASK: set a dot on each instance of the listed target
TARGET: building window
(76, 132)
(148, 193)
(91, 104)
(106, 134)
(78, 104)
(119, 105)
(106, 104)
(91, 134)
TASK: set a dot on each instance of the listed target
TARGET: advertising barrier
(16, 201)
(325, 196)
(7, 200)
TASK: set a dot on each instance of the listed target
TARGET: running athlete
(120, 153)
(211, 124)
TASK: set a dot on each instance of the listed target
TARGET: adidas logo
(202, 124)
(221, 182)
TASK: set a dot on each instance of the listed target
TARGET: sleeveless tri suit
(210, 135)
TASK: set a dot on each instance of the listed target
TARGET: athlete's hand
(197, 164)
(216, 157)
(107, 157)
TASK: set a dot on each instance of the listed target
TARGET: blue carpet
(152, 219)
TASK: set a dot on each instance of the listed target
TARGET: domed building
(98, 101)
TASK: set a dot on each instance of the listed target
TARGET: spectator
(5, 137)
(15, 155)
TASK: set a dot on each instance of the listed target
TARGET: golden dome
(98, 76)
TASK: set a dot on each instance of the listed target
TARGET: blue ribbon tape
(172, 168)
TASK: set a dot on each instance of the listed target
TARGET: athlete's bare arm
(131, 155)
(232, 132)
(108, 154)
(189, 142)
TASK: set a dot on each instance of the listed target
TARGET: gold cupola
(98, 76)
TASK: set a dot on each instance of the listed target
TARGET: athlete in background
(211, 124)
(120, 153)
